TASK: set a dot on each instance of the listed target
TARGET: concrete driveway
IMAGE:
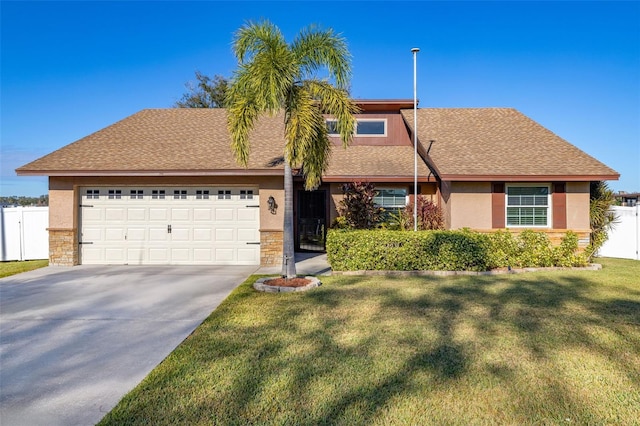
(73, 341)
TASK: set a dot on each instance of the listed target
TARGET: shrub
(357, 207)
(429, 215)
(406, 251)
(352, 250)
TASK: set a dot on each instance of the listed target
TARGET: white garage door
(169, 225)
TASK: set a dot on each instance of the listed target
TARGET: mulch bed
(291, 282)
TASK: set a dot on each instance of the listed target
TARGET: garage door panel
(91, 214)
(136, 234)
(203, 255)
(114, 234)
(223, 214)
(92, 233)
(247, 215)
(114, 214)
(180, 234)
(248, 235)
(136, 256)
(202, 214)
(136, 214)
(159, 254)
(179, 214)
(180, 254)
(158, 234)
(169, 225)
(156, 213)
(114, 254)
(202, 234)
(224, 255)
(224, 235)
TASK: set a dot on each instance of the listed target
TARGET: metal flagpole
(415, 51)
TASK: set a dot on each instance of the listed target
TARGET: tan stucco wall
(577, 205)
(469, 205)
(63, 209)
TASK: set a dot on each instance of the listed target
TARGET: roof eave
(230, 172)
(361, 178)
(527, 178)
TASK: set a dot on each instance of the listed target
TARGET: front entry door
(311, 220)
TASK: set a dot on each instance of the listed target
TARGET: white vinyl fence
(624, 238)
(23, 233)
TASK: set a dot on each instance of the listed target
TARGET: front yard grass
(558, 347)
(12, 268)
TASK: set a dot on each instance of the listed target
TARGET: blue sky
(69, 69)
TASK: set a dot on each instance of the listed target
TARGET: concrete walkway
(306, 264)
(74, 341)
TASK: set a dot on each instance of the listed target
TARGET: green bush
(464, 250)
(406, 251)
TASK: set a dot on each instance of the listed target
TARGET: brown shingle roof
(471, 143)
(196, 141)
(164, 140)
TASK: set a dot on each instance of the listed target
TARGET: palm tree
(275, 76)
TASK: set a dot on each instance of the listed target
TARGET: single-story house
(162, 186)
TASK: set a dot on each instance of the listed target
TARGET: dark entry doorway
(311, 220)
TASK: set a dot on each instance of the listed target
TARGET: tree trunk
(288, 253)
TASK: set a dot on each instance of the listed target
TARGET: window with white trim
(179, 194)
(137, 194)
(224, 194)
(392, 200)
(157, 194)
(202, 194)
(246, 194)
(115, 194)
(93, 194)
(364, 127)
(528, 205)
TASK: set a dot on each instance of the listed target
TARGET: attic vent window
(364, 127)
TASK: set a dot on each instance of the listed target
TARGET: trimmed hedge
(465, 250)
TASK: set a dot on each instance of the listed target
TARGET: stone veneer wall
(271, 248)
(63, 247)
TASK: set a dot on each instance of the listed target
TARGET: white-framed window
(246, 194)
(179, 194)
(528, 205)
(158, 194)
(364, 127)
(115, 194)
(137, 194)
(224, 194)
(391, 199)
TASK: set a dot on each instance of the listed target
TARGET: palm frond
(337, 103)
(316, 48)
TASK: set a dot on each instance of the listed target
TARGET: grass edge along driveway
(16, 267)
(560, 347)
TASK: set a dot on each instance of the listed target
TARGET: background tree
(207, 93)
(601, 217)
(274, 76)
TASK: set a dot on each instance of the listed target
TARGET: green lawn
(559, 347)
(12, 268)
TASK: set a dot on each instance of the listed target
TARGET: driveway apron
(74, 341)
